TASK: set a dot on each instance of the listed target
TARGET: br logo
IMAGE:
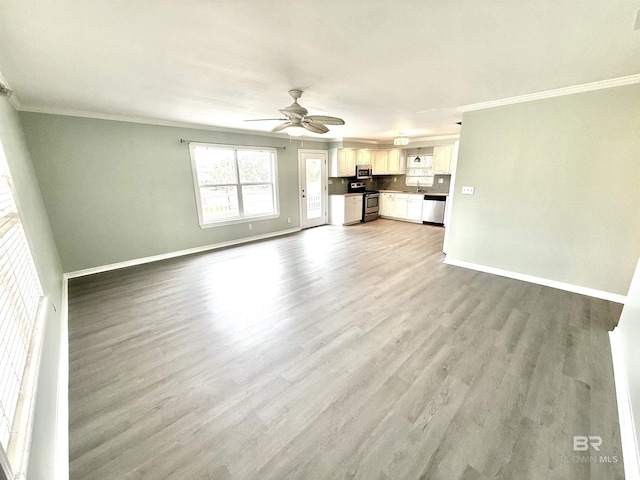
(582, 443)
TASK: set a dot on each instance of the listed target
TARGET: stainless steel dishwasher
(433, 209)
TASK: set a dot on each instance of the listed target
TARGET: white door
(313, 187)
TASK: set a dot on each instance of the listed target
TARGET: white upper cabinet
(387, 162)
(379, 162)
(394, 162)
(364, 156)
(442, 159)
(342, 162)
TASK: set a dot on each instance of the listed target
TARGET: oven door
(371, 207)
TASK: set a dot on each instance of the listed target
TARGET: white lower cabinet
(345, 209)
(385, 202)
(402, 203)
(401, 206)
(414, 208)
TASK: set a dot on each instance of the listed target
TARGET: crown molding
(12, 97)
(162, 123)
(558, 92)
(453, 136)
(360, 140)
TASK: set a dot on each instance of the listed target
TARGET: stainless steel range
(370, 201)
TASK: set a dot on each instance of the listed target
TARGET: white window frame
(14, 460)
(426, 167)
(242, 218)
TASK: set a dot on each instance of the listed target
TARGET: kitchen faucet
(418, 189)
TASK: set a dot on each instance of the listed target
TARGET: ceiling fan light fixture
(295, 131)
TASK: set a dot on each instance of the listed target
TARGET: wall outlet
(343, 180)
(250, 227)
(289, 220)
(441, 180)
(468, 190)
(395, 179)
(330, 182)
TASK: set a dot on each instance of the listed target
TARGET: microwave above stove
(364, 172)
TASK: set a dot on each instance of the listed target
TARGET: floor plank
(337, 352)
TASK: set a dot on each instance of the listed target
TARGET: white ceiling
(382, 66)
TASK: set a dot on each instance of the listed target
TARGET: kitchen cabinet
(342, 162)
(387, 162)
(401, 206)
(414, 208)
(385, 202)
(394, 163)
(379, 161)
(363, 156)
(442, 159)
(345, 209)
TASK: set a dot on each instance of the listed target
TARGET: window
(234, 184)
(21, 301)
(419, 171)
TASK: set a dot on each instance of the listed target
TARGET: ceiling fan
(296, 119)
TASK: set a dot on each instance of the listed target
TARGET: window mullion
(239, 185)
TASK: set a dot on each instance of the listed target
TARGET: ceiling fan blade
(265, 119)
(291, 115)
(325, 120)
(314, 127)
(282, 126)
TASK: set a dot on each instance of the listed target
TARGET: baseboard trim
(630, 454)
(591, 292)
(178, 253)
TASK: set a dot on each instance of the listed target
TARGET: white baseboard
(591, 292)
(628, 438)
(179, 253)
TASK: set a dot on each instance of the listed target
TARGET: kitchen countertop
(412, 192)
(344, 194)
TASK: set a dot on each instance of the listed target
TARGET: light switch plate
(468, 190)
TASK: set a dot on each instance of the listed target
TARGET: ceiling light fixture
(295, 131)
(401, 140)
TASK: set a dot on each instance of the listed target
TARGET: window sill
(223, 223)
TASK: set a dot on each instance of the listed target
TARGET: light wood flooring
(336, 353)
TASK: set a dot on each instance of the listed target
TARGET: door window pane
(314, 187)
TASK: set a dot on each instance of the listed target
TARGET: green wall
(36, 226)
(557, 189)
(119, 191)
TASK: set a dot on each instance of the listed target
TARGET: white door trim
(301, 180)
